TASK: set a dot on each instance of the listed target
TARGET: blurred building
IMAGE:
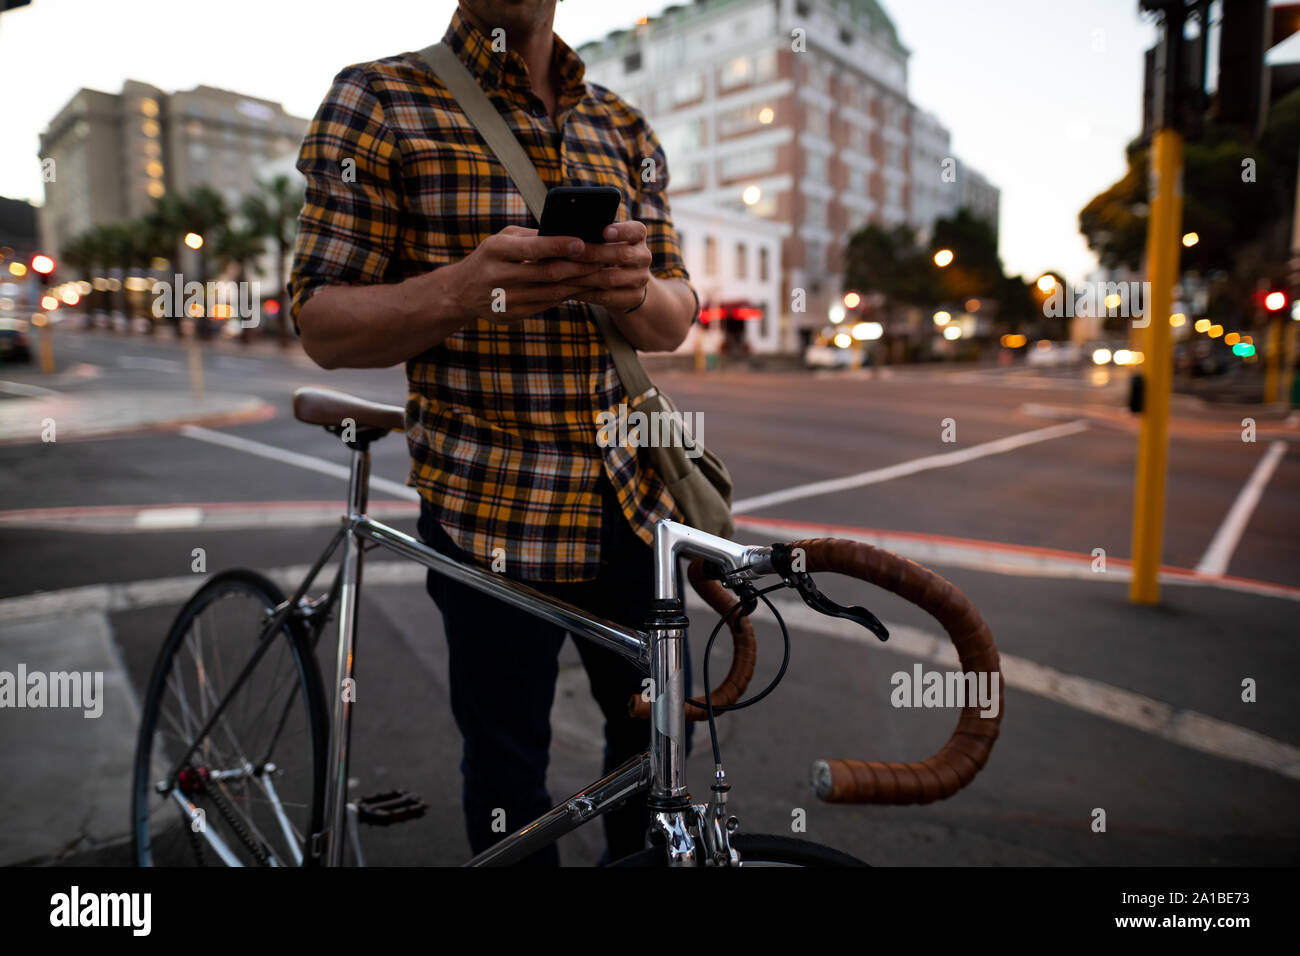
(735, 265)
(108, 156)
(978, 195)
(789, 111)
(934, 192)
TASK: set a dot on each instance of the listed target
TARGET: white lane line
(308, 462)
(1186, 728)
(22, 388)
(944, 460)
(160, 519)
(1219, 553)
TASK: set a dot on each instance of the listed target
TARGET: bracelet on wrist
(645, 293)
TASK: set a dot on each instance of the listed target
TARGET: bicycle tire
(759, 849)
(224, 804)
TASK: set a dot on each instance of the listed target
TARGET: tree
(238, 247)
(1237, 198)
(272, 213)
(975, 271)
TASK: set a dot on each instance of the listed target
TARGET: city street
(1027, 508)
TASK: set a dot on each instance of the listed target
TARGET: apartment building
(789, 111)
(108, 156)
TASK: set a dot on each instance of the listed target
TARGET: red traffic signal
(1275, 301)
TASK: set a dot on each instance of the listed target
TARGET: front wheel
(759, 849)
(230, 761)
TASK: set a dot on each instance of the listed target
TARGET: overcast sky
(1040, 97)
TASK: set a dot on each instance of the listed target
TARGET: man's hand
(624, 268)
(516, 273)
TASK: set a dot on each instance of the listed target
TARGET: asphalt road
(1171, 795)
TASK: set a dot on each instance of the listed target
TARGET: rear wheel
(251, 792)
(759, 849)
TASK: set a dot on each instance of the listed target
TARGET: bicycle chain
(228, 813)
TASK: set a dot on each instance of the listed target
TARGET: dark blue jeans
(503, 667)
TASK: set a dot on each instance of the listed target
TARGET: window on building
(818, 121)
(710, 256)
(816, 166)
(687, 88)
(815, 216)
(681, 138)
(741, 120)
(747, 161)
(737, 72)
(632, 62)
(742, 260)
(764, 266)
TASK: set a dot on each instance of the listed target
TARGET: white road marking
(148, 362)
(157, 519)
(1219, 553)
(997, 558)
(943, 460)
(1186, 728)
(22, 388)
(308, 462)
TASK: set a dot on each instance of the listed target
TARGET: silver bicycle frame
(658, 650)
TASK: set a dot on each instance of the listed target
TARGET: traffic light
(1275, 301)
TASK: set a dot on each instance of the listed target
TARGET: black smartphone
(582, 211)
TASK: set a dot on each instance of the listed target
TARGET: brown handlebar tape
(968, 749)
(743, 649)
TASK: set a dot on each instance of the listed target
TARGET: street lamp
(943, 258)
(1046, 283)
(852, 300)
(1190, 239)
(194, 240)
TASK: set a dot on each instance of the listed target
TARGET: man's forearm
(377, 326)
(662, 321)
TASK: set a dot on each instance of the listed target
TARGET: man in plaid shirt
(410, 229)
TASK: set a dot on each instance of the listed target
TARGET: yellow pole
(47, 343)
(1288, 362)
(1163, 232)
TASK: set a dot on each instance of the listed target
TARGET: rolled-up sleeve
(650, 204)
(348, 226)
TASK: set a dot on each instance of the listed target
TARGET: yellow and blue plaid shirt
(501, 420)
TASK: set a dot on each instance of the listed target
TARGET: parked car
(1046, 353)
(13, 340)
(824, 353)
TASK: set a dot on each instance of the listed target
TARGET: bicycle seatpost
(344, 690)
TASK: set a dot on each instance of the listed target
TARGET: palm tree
(76, 255)
(201, 211)
(272, 213)
(239, 247)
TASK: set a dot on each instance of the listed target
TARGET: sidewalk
(58, 416)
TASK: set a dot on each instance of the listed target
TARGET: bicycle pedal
(385, 809)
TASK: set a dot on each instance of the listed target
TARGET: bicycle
(237, 736)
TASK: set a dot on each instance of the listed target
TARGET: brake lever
(803, 582)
